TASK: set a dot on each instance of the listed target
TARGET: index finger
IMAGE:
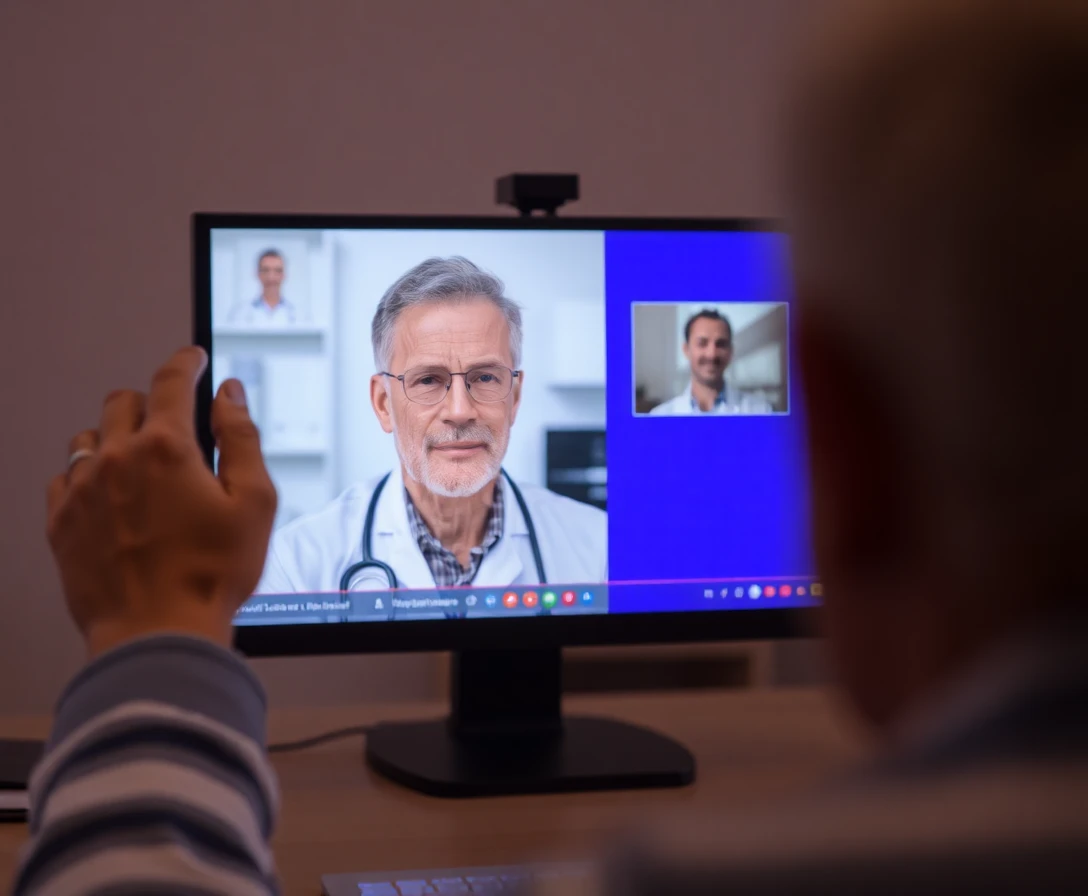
(171, 399)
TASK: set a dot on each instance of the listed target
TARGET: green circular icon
(548, 598)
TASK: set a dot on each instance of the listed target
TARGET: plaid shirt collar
(444, 565)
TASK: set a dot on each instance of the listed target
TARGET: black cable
(292, 745)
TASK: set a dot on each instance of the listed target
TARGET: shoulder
(672, 407)
(998, 829)
(754, 403)
(348, 504)
(563, 509)
(306, 553)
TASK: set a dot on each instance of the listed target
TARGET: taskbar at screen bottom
(510, 601)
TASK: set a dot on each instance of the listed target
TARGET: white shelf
(575, 384)
(577, 329)
(290, 367)
(274, 453)
(306, 330)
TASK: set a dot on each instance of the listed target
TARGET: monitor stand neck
(506, 693)
(506, 734)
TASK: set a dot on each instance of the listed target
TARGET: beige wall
(120, 117)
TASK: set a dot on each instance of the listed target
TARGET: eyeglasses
(429, 385)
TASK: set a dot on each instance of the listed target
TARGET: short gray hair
(434, 280)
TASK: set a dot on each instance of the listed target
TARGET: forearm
(156, 778)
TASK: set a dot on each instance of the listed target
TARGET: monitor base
(586, 754)
(506, 734)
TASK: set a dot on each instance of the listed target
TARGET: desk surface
(750, 746)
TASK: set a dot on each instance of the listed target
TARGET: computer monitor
(503, 436)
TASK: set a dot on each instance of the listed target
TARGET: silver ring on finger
(76, 456)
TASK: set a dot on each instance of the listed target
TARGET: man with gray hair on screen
(447, 351)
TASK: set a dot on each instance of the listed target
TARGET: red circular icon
(785, 591)
(529, 598)
(569, 597)
(769, 591)
(510, 599)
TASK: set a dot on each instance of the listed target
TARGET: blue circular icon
(587, 597)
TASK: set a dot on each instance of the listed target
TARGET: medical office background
(309, 382)
(335, 107)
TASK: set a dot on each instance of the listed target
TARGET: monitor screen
(469, 421)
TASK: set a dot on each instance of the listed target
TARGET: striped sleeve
(156, 778)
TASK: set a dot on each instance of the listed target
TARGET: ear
(687, 351)
(381, 399)
(518, 380)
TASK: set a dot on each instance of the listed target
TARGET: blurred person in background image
(270, 308)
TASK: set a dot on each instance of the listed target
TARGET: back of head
(938, 171)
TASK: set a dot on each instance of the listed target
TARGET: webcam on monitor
(531, 193)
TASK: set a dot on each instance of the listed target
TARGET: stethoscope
(369, 561)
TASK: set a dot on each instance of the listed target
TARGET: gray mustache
(469, 433)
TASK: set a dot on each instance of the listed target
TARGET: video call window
(361, 441)
(336, 421)
(699, 358)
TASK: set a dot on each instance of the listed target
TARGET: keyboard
(453, 881)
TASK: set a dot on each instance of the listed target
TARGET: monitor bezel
(452, 634)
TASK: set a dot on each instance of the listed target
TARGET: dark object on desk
(17, 761)
(530, 193)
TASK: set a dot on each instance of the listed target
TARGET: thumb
(241, 466)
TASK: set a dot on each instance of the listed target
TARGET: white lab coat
(734, 402)
(310, 554)
(256, 313)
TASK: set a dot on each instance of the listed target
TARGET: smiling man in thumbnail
(708, 347)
